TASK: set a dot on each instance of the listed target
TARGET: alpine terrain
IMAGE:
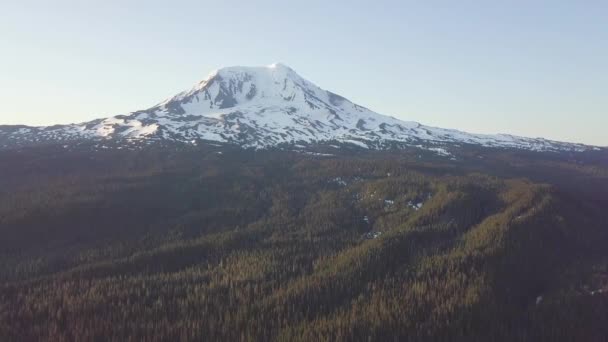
(258, 207)
(260, 107)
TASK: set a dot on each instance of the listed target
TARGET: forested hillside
(211, 243)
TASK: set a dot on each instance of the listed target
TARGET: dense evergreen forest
(211, 243)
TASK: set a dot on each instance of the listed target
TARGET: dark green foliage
(170, 243)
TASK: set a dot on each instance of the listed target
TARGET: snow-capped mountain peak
(262, 107)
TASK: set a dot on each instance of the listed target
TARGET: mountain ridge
(262, 107)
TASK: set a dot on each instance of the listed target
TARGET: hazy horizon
(534, 70)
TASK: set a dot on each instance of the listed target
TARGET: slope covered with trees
(210, 243)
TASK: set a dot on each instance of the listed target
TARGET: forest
(212, 243)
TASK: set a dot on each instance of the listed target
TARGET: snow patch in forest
(416, 206)
(317, 154)
(339, 181)
(372, 235)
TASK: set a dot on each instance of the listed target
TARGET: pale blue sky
(532, 68)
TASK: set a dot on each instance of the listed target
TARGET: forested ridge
(170, 243)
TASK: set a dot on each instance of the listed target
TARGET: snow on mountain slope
(259, 107)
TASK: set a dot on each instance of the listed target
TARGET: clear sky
(532, 68)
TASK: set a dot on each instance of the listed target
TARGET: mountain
(261, 107)
(158, 226)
